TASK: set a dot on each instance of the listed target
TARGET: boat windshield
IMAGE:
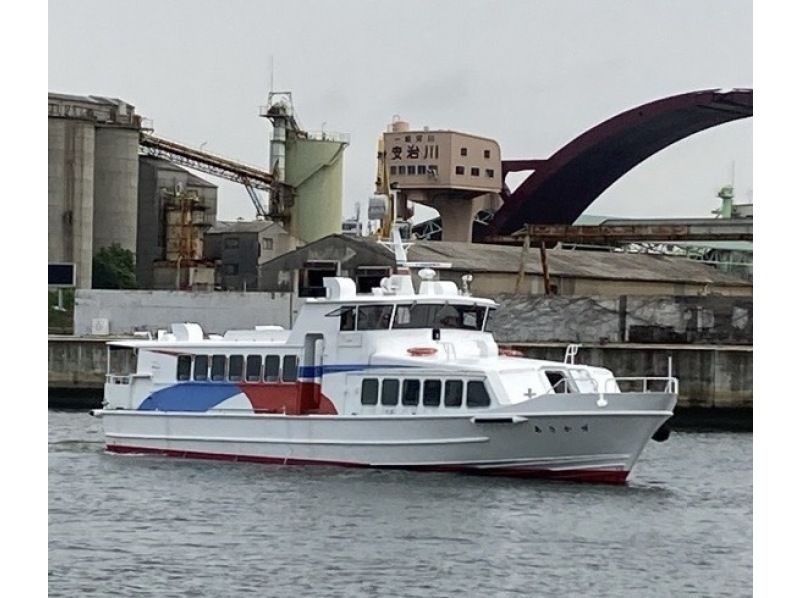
(121, 361)
(430, 315)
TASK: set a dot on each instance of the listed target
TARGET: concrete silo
(308, 172)
(93, 167)
(70, 195)
(116, 178)
(314, 168)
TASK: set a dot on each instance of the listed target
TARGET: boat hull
(598, 445)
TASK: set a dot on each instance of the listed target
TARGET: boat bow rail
(670, 384)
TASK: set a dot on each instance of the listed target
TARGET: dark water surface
(149, 526)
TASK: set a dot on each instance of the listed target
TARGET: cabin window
(184, 367)
(453, 393)
(432, 393)
(489, 323)
(217, 368)
(201, 367)
(411, 316)
(559, 381)
(272, 368)
(374, 317)
(235, 367)
(289, 368)
(369, 391)
(477, 395)
(389, 391)
(411, 393)
(253, 368)
(347, 317)
(424, 315)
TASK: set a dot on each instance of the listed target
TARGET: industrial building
(458, 174)
(239, 249)
(111, 180)
(499, 269)
(159, 180)
(93, 170)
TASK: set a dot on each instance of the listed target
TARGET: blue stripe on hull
(189, 396)
(317, 371)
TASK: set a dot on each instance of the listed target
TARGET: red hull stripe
(600, 476)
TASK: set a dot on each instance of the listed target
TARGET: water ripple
(146, 526)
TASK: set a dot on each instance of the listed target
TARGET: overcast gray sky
(532, 74)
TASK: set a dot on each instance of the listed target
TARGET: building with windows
(458, 174)
(240, 247)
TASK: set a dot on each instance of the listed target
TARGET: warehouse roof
(473, 257)
(240, 226)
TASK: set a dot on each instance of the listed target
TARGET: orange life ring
(422, 351)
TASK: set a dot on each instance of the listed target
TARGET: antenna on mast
(271, 73)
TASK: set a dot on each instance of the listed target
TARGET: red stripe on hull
(599, 476)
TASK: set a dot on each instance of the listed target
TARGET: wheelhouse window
(424, 315)
(289, 368)
(389, 391)
(558, 380)
(347, 317)
(432, 393)
(201, 368)
(369, 391)
(453, 393)
(218, 368)
(253, 368)
(411, 393)
(374, 317)
(184, 367)
(235, 367)
(477, 395)
(489, 324)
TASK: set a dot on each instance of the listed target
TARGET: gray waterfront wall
(129, 311)
(653, 319)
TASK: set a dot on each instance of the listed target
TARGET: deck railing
(667, 384)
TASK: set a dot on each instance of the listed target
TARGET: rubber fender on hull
(662, 433)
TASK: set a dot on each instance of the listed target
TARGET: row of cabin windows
(419, 315)
(432, 396)
(235, 368)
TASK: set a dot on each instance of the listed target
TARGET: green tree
(113, 268)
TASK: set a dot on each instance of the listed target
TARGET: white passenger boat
(399, 378)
